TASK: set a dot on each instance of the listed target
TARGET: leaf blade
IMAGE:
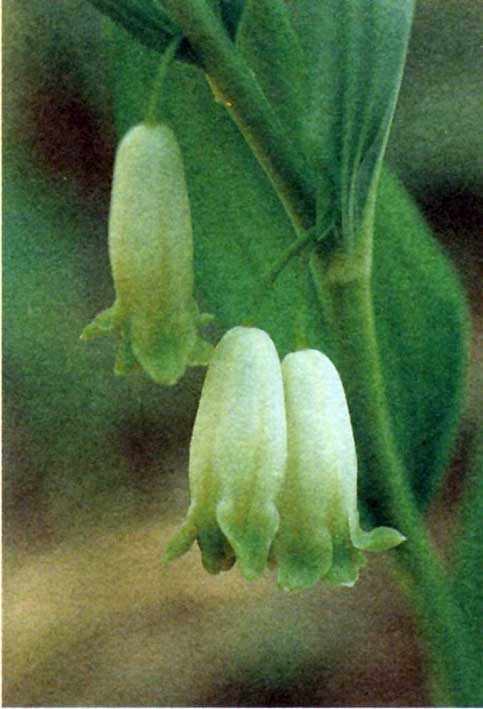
(269, 43)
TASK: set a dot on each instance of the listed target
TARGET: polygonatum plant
(282, 110)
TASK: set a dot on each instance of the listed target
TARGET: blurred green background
(95, 467)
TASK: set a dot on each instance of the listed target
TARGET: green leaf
(268, 41)
(355, 52)
(422, 323)
(146, 21)
(231, 11)
(241, 230)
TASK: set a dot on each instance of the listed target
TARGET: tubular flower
(319, 535)
(237, 456)
(151, 254)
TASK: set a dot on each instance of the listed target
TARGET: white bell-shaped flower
(319, 536)
(151, 254)
(237, 456)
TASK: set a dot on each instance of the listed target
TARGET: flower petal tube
(319, 535)
(237, 456)
(151, 254)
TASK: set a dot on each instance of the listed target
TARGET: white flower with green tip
(237, 456)
(151, 254)
(319, 536)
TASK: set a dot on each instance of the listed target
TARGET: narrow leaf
(147, 22)
(422, 323)
(355, 51)
(272, 49)
(231, 11)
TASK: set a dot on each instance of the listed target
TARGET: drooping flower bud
(319, 535)
(151, 254)
(237, 456)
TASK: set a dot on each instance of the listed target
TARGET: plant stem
(352, 320)
(232, 80)
(296, 247)
(151, 117)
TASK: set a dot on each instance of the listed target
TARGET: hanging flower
(237, 456)
(151, 254)
(319, 537)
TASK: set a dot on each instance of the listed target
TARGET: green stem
(295, 248)
(233, 81)
(307, 239)
(352, 321)
(151, 117)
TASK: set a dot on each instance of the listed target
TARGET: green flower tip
(151, 254)
(273, 469)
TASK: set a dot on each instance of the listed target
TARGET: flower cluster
(273, 468)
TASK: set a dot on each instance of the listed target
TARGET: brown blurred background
(95, 468)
